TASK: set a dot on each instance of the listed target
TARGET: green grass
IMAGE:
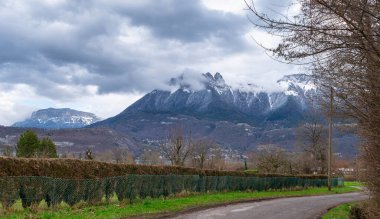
(154, 206)
(340, 212)
(353, 183)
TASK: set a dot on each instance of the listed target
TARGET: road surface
(284, 208)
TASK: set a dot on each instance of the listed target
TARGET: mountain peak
(297, 82)
(52, 118)
(208, 76)
(215, 80)
(299, 78)
(218, 76)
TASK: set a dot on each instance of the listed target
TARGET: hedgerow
(89, 169)
(73, 181)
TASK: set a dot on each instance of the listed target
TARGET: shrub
(33, 190)
(9, 191)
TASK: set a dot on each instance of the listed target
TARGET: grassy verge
(353, 183)
(155, 206)
(340, 212)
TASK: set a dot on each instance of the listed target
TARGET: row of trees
(181, 148)
(309, 156)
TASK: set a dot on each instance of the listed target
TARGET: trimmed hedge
(33, 189)
(72, 181)
(83, 169)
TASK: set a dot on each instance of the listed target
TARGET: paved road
(286, 208)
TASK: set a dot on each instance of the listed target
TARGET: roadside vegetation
(157, 206)
(360, 210)
(343, 211)
(339, 212)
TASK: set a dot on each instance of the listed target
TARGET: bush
(9, 191)
(364, 210)
(33, 190)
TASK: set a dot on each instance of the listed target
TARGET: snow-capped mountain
(58, 118)
(218, 100)
(240, 118)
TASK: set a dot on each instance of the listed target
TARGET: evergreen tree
(47, 148)
(27, 144)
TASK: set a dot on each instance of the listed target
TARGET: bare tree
(7, 151)
(122, 155)
(311, 139)
(340, 42)
(201, 152)
(178, 147)
(270, 159)
(216, 160)
(105, 156)
(151, 157)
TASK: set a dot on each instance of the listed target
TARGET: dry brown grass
(83, 169)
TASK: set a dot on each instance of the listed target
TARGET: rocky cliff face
(58, 118)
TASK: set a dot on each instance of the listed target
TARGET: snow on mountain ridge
(296, 81)
(58, 118)
(220, 100)
(288, 84)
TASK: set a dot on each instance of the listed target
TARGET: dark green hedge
(81, 169)
(33, 189)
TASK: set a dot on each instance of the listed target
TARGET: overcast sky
(100, 56)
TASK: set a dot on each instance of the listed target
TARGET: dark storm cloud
(118, 46)
(185, 20)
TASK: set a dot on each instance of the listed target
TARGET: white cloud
(18, 102)
(233, 6)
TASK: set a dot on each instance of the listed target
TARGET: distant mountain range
(238, 118)
(58, 118)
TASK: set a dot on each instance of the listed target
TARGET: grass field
(155, 206)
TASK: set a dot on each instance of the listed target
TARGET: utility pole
(329, 160)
